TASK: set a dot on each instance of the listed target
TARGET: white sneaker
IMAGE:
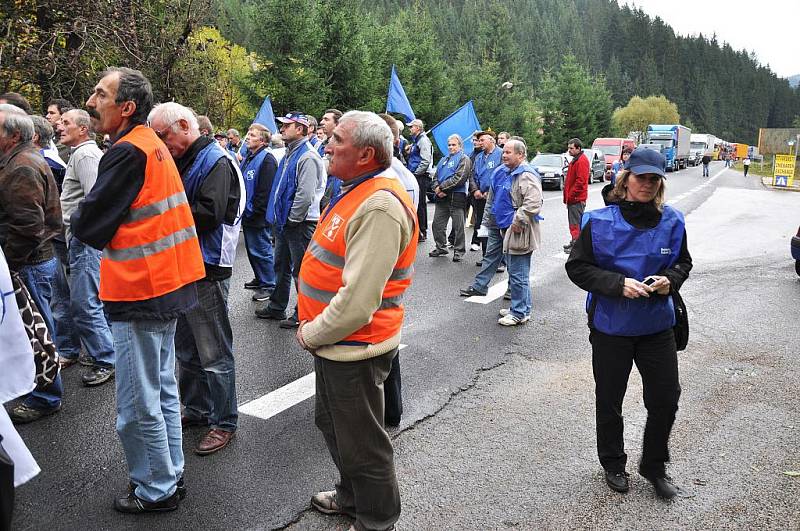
(504, 311)
(511, 320)
(475, 247)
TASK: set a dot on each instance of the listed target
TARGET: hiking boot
(23, 413)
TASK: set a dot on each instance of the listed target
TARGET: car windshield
(614, 150)
(547, 160)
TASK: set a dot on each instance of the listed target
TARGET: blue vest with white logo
(250, 170)
(219, 245)
(635, 253)
(503, 208)
(447, 167)
(285, 188)
(485, 165)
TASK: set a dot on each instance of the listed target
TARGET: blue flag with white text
(463, 123)
(396, 101)
(266, 117)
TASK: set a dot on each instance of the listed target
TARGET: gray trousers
(574, 215)
(449, 207)
(349, 412)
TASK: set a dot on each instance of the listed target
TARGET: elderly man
(350, 291)
(293, 212)
(139, 215)
(258, 170)
(30, 217)
(513, 205)
(420, 160)
(235, 143)
(486, 162)
(452, 174)
(86, 310)
(203, 337)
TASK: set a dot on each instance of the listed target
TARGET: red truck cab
(612, 148)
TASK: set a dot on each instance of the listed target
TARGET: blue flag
(463, 123)
(396, 101)
(266, 117)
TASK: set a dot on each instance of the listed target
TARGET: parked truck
(676, 141)
(701, 144)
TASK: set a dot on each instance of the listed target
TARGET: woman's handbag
(44, 351)
(681, 328)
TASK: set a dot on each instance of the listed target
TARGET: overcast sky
(770, 28)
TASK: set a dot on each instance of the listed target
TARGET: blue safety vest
(251, 168)
(219, 245)
(321, 149)
(503, 208)
(414, 157)
(634, 253)
(447, 167)
(285, 188)
(485, 165)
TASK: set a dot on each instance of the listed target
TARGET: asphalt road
(498, 430)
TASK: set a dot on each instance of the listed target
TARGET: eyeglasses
(652, 177)
(163, 133)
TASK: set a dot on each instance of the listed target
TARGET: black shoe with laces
(470, 292)
(438, 252)
(618, 481)
(253, 284)
(132, 504)
(665, 489)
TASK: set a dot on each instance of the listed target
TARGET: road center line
(281, 399)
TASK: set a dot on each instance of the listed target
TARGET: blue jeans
(258, 243)
(519, 270)
(148, 411)
(204, 350)
(492, 258)
(65, 334)
(38, 278)
(290, 246)
(705, 170)
(86, 308)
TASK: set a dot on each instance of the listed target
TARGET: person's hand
(477, 194)
(633, 289)
(661, 285)
(516, 228)
(300, 339)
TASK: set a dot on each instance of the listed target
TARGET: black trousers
(657, 360)
(478, 206)
(422, 206)
(6, 488)
(393, 394)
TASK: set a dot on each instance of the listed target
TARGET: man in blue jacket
(419, 162)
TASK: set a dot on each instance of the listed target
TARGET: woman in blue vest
(629, 255)
(452, 174)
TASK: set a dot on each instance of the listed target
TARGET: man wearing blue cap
(293, 212)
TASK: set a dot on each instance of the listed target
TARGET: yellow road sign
(784, 170)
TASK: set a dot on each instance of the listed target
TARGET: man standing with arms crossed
(576, 189)
(350, 293)
(138, 214)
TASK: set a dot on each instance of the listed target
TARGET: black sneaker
(266, 313)
(289, 322)
(23, 413)
(98, 376)
(470, 292)
(507, 295)
(86, 360)
(253, 284)
(180, 488)
(438, 252)
(132, 504)
(617, 481)
(262, 294)
(456, 257)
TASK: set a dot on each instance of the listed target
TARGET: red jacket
(576, 185)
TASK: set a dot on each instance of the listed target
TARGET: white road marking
(281, 399)
(696, 189)
(492, 294)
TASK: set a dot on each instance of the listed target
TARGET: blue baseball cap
(295, 117)
(644, 160)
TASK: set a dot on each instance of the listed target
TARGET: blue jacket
(250, 173)
(634, 253)
(485, 165)
(502, 206)
(219, 245)
(447, 167)
(285, 188)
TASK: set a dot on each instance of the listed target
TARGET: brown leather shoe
(214, 441)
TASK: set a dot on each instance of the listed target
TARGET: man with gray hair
(85, 308)
(30, 217)
(357, 267)
(512, 215)
(203, 337)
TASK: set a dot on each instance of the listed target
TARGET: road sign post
(783, 174)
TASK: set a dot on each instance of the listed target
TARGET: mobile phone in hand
(649, 281)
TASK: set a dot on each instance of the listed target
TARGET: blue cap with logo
(644, 160)
(294, 117)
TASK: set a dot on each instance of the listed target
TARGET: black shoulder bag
(681, 328)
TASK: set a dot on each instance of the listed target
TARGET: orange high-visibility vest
(321, 271)
(155, 250)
